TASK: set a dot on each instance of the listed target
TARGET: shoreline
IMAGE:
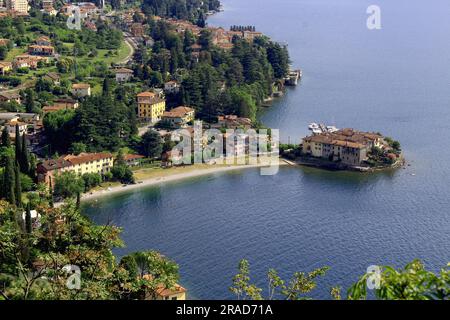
(169, 178)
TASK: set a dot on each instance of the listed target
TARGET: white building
(81, 90)
(123, 75)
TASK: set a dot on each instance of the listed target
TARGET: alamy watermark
(74, 19)
(229, 147)
(73, 281)
(373, 277)
(374, 19)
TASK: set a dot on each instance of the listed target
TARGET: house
(99, 163)
(24, 117)
(39, 50)
(47, 7)
(50, 109)
(66, 103)
(234, 122)
(4, 42)
(11, 127)
(9, 97)
(137, 30)
(150, 106)
(179, 117)
(81, 90)
(5, 67)
(123, 74)
(347, 146)
(148, 41)
(20, 6)
(172, 87)
(43, 41)
(90, 25)
(133, 160)
(53, 77)
(163, 293)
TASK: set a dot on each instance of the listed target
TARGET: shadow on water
(345, 177)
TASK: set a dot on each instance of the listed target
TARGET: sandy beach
(170, 178)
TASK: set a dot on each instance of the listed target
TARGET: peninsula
(346, 149)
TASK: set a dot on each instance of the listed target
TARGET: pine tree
(5, 138)
(18, 187)
(9, 181)
(28, 224)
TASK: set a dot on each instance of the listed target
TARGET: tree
(68, 185)
(18, 186)
(6, 142)
(28, 224)
(413, 282)
(9, 182)
(30, 104)
(151, 145)
(77, 148)
(24, 160)
(296, 289)
(91, 180)
(18, 144)
(123, 174)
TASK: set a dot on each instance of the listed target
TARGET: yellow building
(150, 106)
(17, 5)
(100, 163)
(5, 67)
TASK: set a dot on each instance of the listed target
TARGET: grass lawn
(105, 56)
(14, 52)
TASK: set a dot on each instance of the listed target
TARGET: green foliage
(121, 172)
(68, 185)
(91, 180)
(297, 288)
(151, 144)
(60, 128)
(413, 282)
(180, 9)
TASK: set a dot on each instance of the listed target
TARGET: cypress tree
(32, 167)
(28, 224)
(18, 187)
(5, 138)
(9, 181)
(24, 157)
(18, 144)
(78, 200)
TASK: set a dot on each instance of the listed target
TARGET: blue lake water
(395, 80)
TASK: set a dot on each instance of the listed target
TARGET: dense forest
(192, 10)
(214, 81)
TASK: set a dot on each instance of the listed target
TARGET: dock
(321, 128)
(293, 77)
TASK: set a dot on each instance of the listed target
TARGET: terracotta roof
(86, 157)
(162, 291)
(146, 94)
(54, 164)
(124, 70)
(178, 112)
(129, 157)
(81, 86)
(52, 108)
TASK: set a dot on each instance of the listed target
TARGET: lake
(395, 80)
